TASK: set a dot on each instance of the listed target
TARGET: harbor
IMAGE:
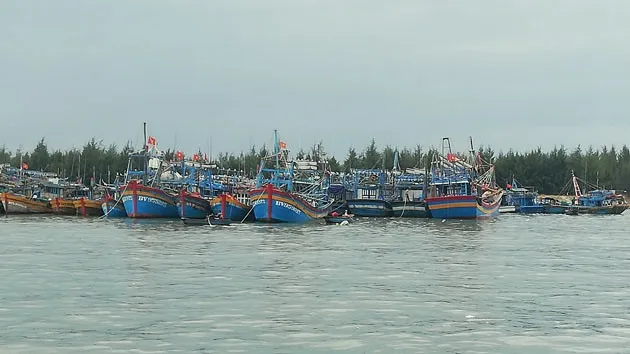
(295, 189)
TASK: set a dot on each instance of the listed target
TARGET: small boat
(219, 221)
(195, 222)
(338, 219)
(370, 195)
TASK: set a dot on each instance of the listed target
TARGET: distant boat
(598, 201)
(522, 199)
(462, 190)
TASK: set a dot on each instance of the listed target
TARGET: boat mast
(576, 186)
(146, 153)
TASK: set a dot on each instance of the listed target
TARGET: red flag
(180, 155)
(24, 166)
(451, 157)
(283, 145)
(508, 186)
(151, 141)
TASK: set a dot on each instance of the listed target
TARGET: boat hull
(193, 207)
(274, 205)
(409, 209)
(369, 207)
(114, 209)
(234, 209)
(531, 209)
(62, 206)
(19, 204)
(88, 207)
(148, 202)
(462, 207)
(603, 210)
(554, 209)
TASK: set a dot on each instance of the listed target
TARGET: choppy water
(517, 284)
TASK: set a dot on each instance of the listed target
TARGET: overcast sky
(513, 74)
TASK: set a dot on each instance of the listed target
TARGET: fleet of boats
(285, 190)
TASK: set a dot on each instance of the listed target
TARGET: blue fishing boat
(370, 196)
(142, 196)
(409, 192)
(462, 190)
(233, 206)
(113, 207)
(192, 205)
(523, 199)
(597, 201)
(290, 191)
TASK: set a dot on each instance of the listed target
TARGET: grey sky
(510, 73)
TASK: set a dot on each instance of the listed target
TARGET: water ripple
(517, 284)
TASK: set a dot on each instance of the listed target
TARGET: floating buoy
(345, 222)
(443, 220)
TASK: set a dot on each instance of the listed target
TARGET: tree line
(546, 171)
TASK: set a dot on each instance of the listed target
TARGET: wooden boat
(63, 206)
(338, 219)
(21, 204)
(196, 222)
(219, 221)
(88, 207)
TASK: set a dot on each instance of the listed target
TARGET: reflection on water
(525, 284)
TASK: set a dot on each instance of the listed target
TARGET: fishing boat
(289, 191)
(88, 207)
(63, 206)
(14, 203)
(142, 197)
(371, 194)
(597, 201)
(461, 189)
(409, 192)
(232, 207)
(522, 199)
(113, 207)
(192, 205)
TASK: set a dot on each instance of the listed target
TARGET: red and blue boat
(458, 190)
(290, 192)
(142, 201)
(113, 208)
(232, 207)
(193, 205)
